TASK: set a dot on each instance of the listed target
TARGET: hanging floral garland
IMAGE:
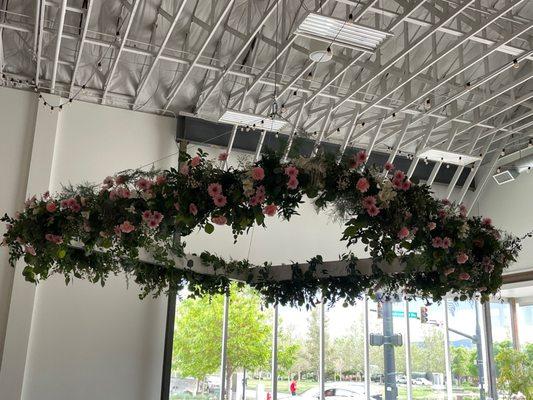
(443, 251)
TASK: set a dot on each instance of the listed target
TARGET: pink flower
(220, 200)
(117, 230)
(147, 215)
(53, 238)
(214, 189)
(464, 276)
(123, 192)
(126, 227)
(372, 210)
(270, 210)
(219, 220)
(397, 183)
(446, 202)
(51, 207)
(462, 210)
(462, 258)
(291, 170)
(369, 201)
(143, 184)
(30, 249)
(46, 195)
(75, 207)
(486, 221)
(260, 191)
(120, 179)
(403, 233)
(406, 185)
(260, 197)
(293, 183)
(362, 185)
(222, 156)
(160, 179)
(108, 181)
(254, 201)
(400, 175)
(258, 173)
(446, 243)
(389, 166)
(449, 271)
(184, 169)
(193, 209)
(442, 214)
(360, 157)
(195, 161)
(153, 223)
(157, 216)
(432, 225)
(437, 242)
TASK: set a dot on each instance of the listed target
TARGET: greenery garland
(443, 250)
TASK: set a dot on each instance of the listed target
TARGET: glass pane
(464, 324)
(196, 349)
(345, 351)
(525, 325)
(428, 366)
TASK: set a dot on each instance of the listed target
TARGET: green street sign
(401, 314)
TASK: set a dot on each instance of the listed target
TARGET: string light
(498, 170)
(515, 64)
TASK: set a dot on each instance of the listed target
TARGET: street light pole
(391, 391)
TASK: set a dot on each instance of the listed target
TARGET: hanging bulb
(530, 143)
(328, 49)
(447, 165)
(247, 129)
(393, 115)
(262, 122)
(310, 74)
(498, 170)
(253, 126)
(515, 64)
(363, 123)
(503, 152)
(428, 104)
(528, 170)
(283, 108)
(99, 66)
(277, 135)
(350, 17)
(295, 93)
(467, 85)
(242, 128)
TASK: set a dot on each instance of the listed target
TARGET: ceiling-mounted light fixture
(318, 51)
(340, 32)
(241, 118)
(447, 157)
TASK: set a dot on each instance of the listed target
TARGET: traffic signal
(423, 315)
(380, 310)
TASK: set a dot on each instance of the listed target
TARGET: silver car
(339, 391)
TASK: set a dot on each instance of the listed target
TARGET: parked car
(422, 382)
(340, 391)
(402, 380)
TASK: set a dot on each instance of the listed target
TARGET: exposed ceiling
(450, 74)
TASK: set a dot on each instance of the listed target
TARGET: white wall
(17, 116)
(511, 208)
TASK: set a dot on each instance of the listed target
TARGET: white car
(339, 391)
(422, 382)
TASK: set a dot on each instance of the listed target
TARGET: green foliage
(91, 232)
(515, 371)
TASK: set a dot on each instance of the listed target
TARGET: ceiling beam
(173, 21)
(87, 16)
(114, 63)
(62, 13)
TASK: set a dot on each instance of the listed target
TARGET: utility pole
(391, 390)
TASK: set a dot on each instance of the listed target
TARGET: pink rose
(214, 189)
(222, 156)
(193, 209)
(362, 185)
(400, 175)
(369, 201)
(403, 233)
(126, 227)
(195, 161)
(143, 184)
(446, 243)
(291, 170)
(397, 183)
(432, 225)
(120, 179)
(406, 185)
(30, 249)
(53, 238)
(462, 258)
(219, 220)
(389, 166)
(437, 242)
(123, 192)
(464, 276)
(372, 210)
(462, 210)
(220, 200)
(258, 173)
(486, 221)
(293, 183)
(51, 207)
(270, 210)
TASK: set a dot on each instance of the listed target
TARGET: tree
(461, 359)
(198, 335)
(516, 372)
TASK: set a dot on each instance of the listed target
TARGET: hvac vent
(505, 176)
